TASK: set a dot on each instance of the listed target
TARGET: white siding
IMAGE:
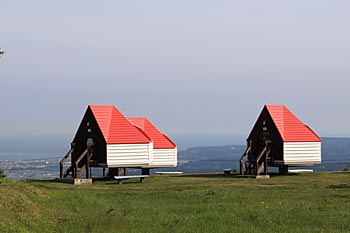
(302, 153)
(164, 158)
(129, 155)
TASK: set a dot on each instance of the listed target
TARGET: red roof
(160, 140)
(115, 127)
(289, 126)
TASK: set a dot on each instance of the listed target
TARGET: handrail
(242, 159)
(245, 153)
(260, 168)
(261, 154)
(81, 156)
(78, 161)
(63, 160)
(66, 156)
(266, 152)
(254, 163)
(82, 169)
(69, 170)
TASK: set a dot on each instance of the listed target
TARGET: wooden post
(75, 171)
(124, 168)
(283, 170)
(88, 171)
(61, 170)
(104, 172)
(72, 145)
(112, 172)
(69, 153)
(249, 152)
(145, 171)
(265, 165)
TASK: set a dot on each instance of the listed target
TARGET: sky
(201, 71)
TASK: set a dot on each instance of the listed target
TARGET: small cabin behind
(164, 150)
(279, 139)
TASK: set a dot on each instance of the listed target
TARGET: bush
(2, 173)
(345, 169)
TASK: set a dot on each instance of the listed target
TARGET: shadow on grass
(109, 181)
(97, 180)
(102, 179)
(283, 175)
(339, 186)
(208, 175)
(39, 181)
(233, 175)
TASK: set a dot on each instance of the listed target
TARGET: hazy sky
(196, 69)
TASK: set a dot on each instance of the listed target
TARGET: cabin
(164, 150)
(279, 139)
(107, 139)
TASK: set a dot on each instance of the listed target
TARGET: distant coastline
(200, 159)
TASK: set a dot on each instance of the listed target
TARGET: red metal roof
(289, 126)
(115, 127)
(160, 140)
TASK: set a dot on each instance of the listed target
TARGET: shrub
(2, 173)
(345, 169)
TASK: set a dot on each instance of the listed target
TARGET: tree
(2, 174)
(1, 52)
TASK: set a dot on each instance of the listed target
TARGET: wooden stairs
(251, 164)
(77, 168)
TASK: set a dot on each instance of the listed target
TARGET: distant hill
(335, 149)
(335, 156)
(212, 152)
(209, 158)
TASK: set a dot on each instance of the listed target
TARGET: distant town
(335, 157)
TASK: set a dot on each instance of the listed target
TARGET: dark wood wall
(265, 128)
(89, 129)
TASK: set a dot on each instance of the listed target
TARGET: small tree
(1, 52)
(2, 174)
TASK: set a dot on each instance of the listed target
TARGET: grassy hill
(318, 202)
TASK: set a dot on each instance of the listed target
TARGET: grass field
(318, 202)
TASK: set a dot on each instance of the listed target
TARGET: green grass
(318, 202)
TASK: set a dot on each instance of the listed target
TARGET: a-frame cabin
(107, 139)
(279, 139)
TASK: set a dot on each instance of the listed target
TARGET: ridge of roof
(160, 140)
(115, 127)
(103, 116)
(137, 121)
(289, 126)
